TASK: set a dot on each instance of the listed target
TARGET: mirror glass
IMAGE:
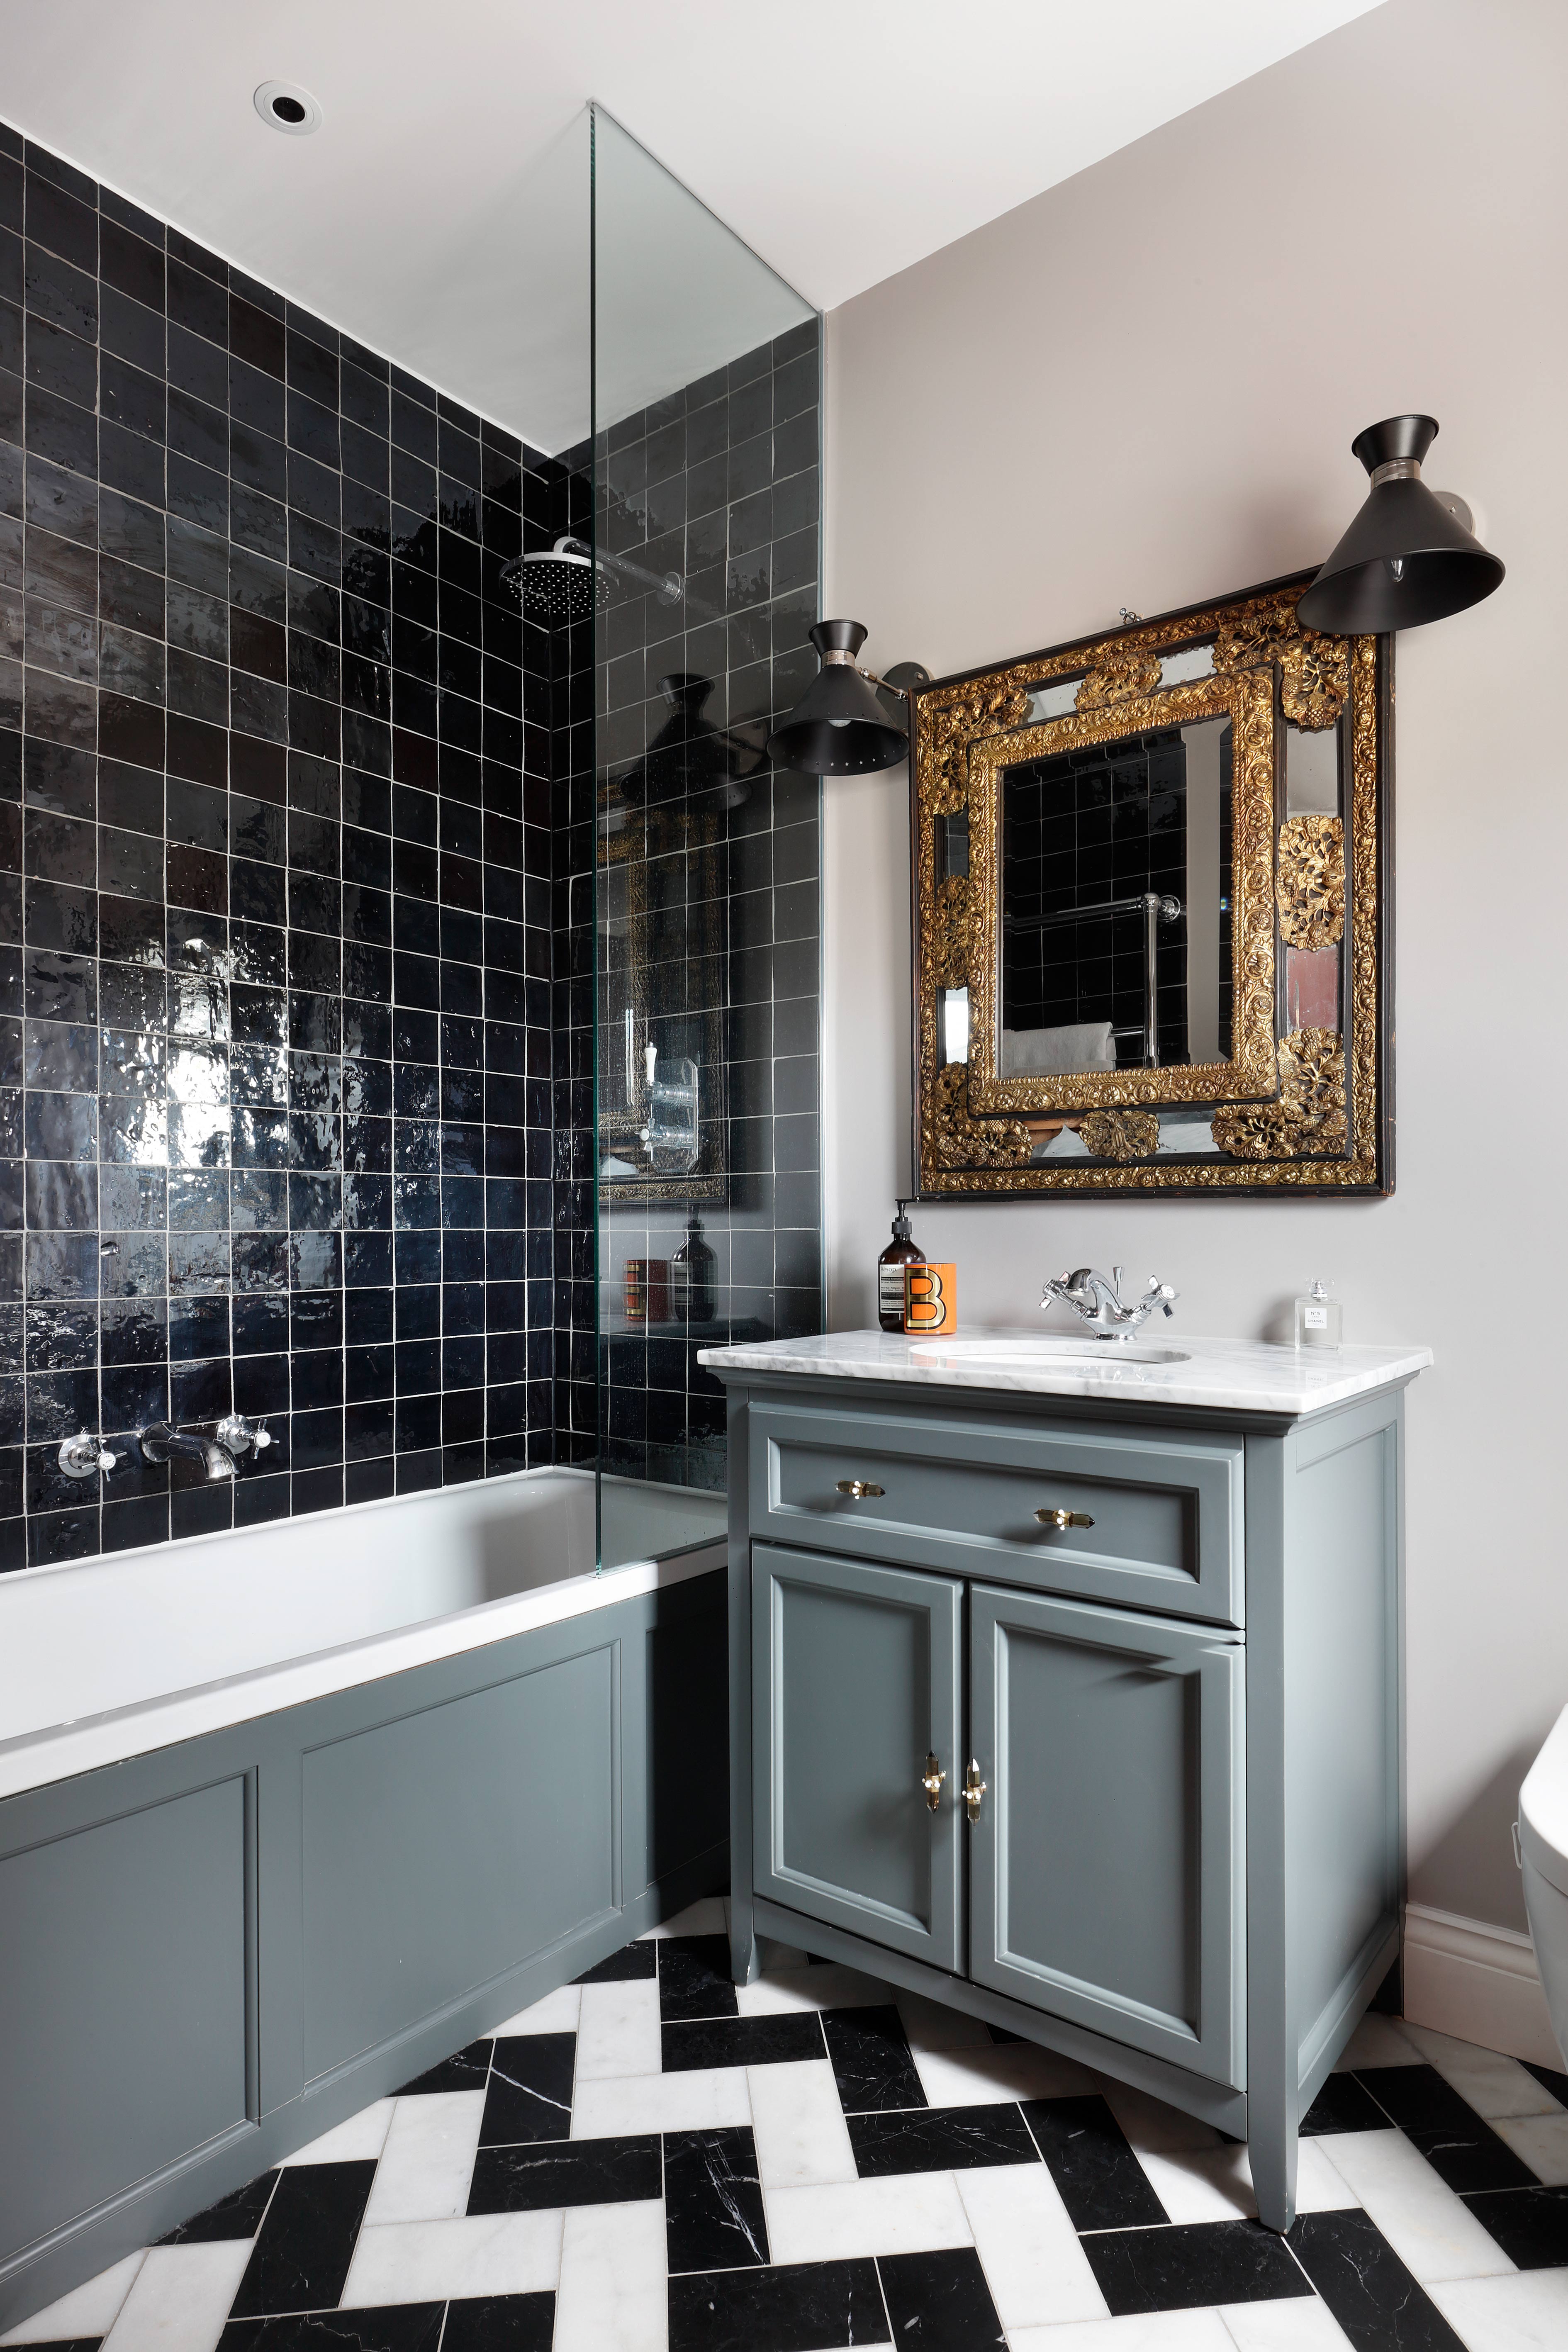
(1116, 949)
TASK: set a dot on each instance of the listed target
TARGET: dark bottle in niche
(902, 1251)
(692, 1277)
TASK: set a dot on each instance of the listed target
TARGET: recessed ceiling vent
(284, 106)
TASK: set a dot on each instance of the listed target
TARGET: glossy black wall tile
(276, 1067)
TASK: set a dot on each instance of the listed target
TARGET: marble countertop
(1234, 1375)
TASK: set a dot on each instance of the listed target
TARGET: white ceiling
(439, 213)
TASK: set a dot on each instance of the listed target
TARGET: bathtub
(289, 1814)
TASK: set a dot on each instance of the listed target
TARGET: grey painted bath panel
(1111, 1745)
(122, 1942)
(213, 1952)
(442, 1848)
(855, 1680)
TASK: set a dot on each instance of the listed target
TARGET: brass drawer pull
(857, 1487)
(932, 1780)
(1062, 1521)
(973, 1790)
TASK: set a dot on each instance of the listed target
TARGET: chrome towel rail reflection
(1156, 906)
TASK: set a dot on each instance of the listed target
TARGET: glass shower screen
(697, 514)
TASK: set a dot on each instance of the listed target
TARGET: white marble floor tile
(359, 2139)
(90, 2309)
(1155, 2331)
(904, 2213)
(180, 2298)
(709, 1916)
(802, 2140)
(1380, 2041)
(618, 2030)
(1152, 2126)
(1526, 2312)
(1290, 2324)
(700, 2100)
(1215, 2184)
(613, 2297)
(1005, 2069)
(822, 1987)
(476, 2253)
(1540, 2141)
(1032, 2256)
(1432, 2231)
(1494, 2085)
(931, 2025)
(556, 2014)
(427, 2163)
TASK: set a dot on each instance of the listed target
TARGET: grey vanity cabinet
(1106, 1870)
(856, 1675)
(1185, 1868)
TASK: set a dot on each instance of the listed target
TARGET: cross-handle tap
(84, 1456)
(1096, 1299)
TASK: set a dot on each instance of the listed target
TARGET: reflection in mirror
(1312, 771)
(955, 1041)
(1116, 904)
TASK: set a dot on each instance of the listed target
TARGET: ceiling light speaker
(284, 106)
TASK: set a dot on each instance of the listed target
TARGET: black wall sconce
(839, 728)
(1410, 555)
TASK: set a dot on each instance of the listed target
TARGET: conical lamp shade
(1404, 559)
(838, 728)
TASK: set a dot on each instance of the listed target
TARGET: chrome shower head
(568, 581)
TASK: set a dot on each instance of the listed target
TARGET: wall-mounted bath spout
(161, 1443)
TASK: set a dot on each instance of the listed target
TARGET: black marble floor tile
(940, 2139)
(940, 2300)
(741, 2041)
(568, 2172)
(795, 2308)
(304, 2248)
(69, 2344)
(235, 2216)
(501, 2323)
(399, 2327)
(1377, 2302)
(713, 2201)
(1102, 2184)
(464, 2070)
(624, 1967)
(1343, 2104)
(694, 1978)
(871, 2060)
(1549, 2080)
(1192, 2264)
(1463, 2151)
(1530, 2225)
(530, 2093)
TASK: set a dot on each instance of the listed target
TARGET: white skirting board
(1477, 1983)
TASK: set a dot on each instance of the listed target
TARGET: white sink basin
(1038, 1355)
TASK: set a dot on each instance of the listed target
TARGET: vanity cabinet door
(1106, 1859)
(856, 1675)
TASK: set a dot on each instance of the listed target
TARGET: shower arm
(668, 588)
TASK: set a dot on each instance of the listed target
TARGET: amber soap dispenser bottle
(902, 1251)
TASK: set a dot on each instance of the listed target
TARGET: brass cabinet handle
(857, 1487)
(932, 1780)
(973, 1790)
(1062, 1521)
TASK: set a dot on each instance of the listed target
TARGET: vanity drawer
(963, 1496)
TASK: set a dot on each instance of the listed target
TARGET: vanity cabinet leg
(1272, 2155)
(744, 1964)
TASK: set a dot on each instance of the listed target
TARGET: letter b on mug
(930, 1299)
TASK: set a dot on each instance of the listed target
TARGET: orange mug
(930, 1299)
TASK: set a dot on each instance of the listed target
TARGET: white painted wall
(1140, 389)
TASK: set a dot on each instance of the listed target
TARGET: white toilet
(1543, 1853)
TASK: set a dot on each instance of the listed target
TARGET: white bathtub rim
(61, 1751)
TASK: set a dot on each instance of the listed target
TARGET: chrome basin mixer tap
(1096, 1299)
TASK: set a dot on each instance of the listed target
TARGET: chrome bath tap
(1096, 1299)
(217, 1455)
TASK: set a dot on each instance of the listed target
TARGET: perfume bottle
(902, 1251)
(691, 1276)
(1318, 1319)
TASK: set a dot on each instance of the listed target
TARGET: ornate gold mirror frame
(1296, 1108)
